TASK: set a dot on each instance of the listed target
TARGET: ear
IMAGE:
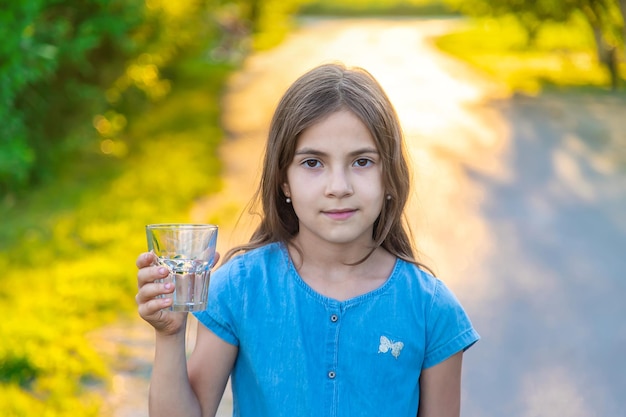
(286, 189)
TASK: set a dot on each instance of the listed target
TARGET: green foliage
(563, 55)
(76, 240)
(606, 19)
(375, 7)
(53, 53)
(139, 128)
(17, 370)
(70, 66)
(269, 20)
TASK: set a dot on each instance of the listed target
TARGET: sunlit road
(519, 205)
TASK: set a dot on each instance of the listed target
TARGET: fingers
(149, 274)
(150, 291)
(151, 310)
(146, 259)
(150, 301)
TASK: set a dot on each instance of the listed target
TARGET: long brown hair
(321, 91)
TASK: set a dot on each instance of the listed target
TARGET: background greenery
(377, 8)
(550, 42)
(109, 121)
(105, 106)
(562, 56)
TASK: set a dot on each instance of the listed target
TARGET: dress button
(331, 374)
(334, 318)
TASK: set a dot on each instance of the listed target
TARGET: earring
(388, 197)
(288, 200)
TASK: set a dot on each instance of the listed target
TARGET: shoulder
(253, 262)
(416, 278)
(254, 257)
(433, 293)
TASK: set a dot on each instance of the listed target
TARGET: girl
(325, 312)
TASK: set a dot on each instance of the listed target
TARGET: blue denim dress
(304, 354)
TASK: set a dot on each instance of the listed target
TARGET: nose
(339, 184)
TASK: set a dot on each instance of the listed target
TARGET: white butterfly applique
(387, 345)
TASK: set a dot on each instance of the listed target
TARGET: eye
(312, 163)
(363, 162)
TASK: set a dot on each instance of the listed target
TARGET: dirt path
(492, 180)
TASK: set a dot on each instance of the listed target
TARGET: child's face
(335, 181)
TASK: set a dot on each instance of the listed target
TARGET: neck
(330, 256)
(333, 271)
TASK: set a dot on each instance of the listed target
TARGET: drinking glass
(187, 251)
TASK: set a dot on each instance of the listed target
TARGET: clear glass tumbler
(187, 251)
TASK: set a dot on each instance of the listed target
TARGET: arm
(190, 388)
(178, 387)
(440, 389)
(209, 367)
(171, 393)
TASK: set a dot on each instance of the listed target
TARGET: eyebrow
(311, 151)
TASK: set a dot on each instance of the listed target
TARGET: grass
(68, 253)
(563, 56)
(375, 8)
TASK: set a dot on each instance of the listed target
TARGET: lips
(341, 214)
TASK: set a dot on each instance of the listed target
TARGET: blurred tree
(268, 20)
(605, 19)
(622, 7)
(68, 66)
(52, 55)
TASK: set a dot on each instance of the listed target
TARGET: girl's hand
(149, 306)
